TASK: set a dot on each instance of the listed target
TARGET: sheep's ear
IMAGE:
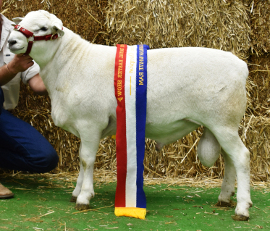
(59, 30)
(17, 20)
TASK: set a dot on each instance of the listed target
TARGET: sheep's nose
(11, 42)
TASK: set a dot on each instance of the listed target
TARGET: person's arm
(18, 64)
(37, 85)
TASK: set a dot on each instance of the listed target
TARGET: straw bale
(220, 24)
(260, 24)
(171, 23)
(82, 16)
(258, 85)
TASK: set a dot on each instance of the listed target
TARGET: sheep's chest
(59, 115)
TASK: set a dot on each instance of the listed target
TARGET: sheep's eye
(44, 28)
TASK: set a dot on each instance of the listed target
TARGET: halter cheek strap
(31, 38)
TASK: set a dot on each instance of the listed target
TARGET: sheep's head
(40, 23)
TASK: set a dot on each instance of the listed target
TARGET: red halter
(31, 38)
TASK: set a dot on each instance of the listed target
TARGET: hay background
(260, 18)
(216, 24)
(241, 27)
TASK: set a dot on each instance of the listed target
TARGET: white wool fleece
(187, 87)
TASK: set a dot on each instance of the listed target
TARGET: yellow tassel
(113, 137)
(130, 212)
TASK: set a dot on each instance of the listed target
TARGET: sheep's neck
(71, 49)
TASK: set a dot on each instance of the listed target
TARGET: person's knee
(50, 161)
(44, 161)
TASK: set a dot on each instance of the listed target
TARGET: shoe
(5, 193)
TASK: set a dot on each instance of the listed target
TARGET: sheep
(187, 88)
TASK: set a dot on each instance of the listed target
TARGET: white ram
(187, 87)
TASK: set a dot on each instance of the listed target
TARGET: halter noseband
(31, 38)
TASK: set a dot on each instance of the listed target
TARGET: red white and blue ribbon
(130, 83)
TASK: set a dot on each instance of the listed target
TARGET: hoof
(230, 204)
(81, 207)
(73, 199)
(240, 218)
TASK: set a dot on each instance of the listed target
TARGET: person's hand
(20, 63)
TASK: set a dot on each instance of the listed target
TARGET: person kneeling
(22, 147)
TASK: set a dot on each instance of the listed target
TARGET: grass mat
(43, 204)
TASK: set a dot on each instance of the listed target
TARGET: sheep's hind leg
(240, 156)
(87, 156)
(78, 187)
(228, 184)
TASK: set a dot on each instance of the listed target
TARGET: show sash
(130, 82)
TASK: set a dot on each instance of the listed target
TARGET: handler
(22, 147)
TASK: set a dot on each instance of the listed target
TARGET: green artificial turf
(43, 204)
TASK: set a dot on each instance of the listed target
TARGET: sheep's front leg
(78, 187)
(87, 158)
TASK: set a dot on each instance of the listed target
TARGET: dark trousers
(22, 147)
